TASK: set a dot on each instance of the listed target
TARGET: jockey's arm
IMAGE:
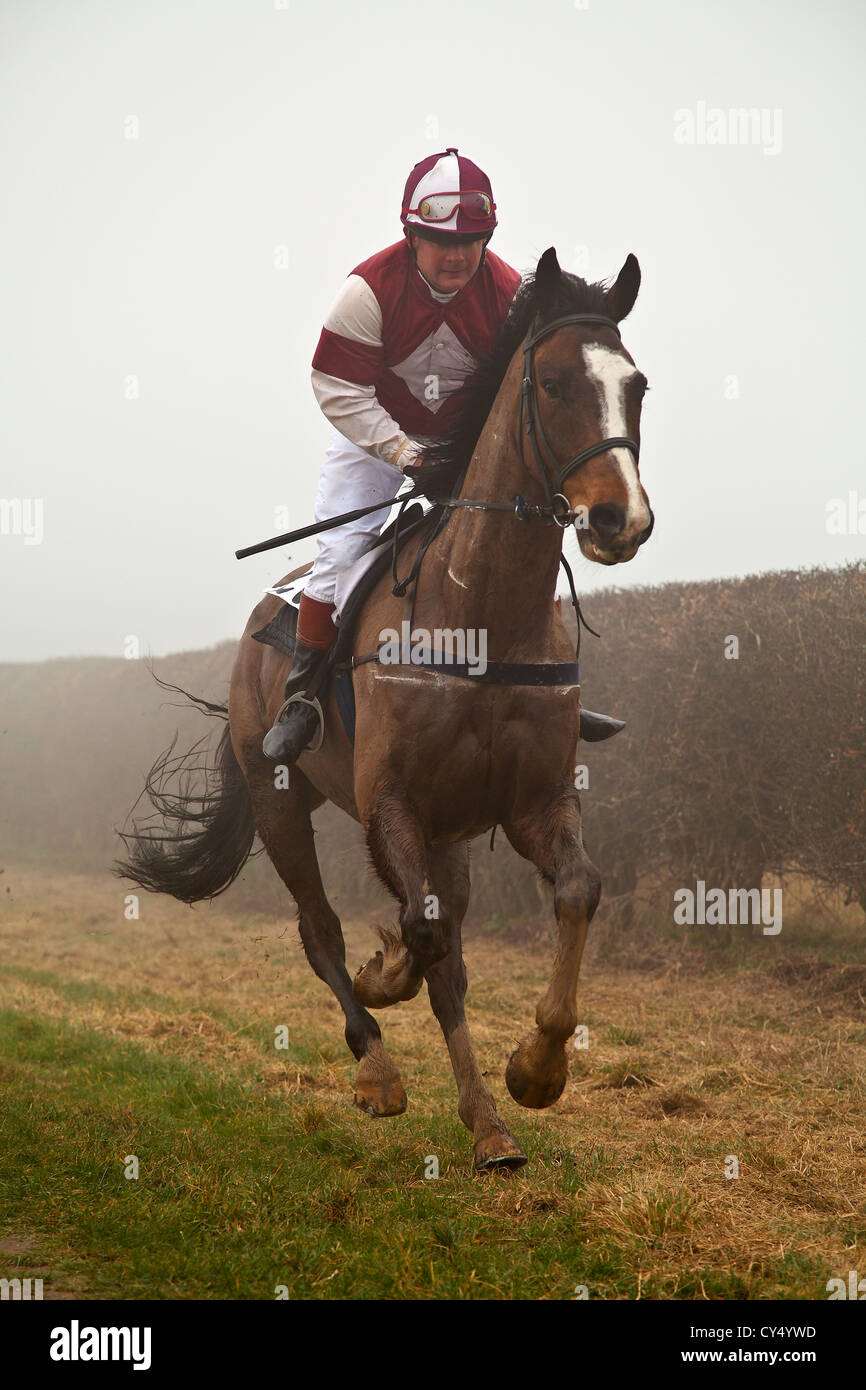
(351, 342)
(356, 413)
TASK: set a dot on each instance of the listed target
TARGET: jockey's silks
(427, 348)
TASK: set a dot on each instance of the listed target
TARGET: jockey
(404, 333)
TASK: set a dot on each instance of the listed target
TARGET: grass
(155, 1039)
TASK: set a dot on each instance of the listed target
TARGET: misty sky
(193, 263)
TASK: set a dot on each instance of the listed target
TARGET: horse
(550, 436)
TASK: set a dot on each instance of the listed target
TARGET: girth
(494, 673)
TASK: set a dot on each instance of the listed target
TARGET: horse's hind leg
(550, 838)
(399, 853)
(494, 1145)
(283, 821)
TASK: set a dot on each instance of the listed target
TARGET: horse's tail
(202, 832)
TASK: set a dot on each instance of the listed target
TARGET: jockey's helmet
(447, 196)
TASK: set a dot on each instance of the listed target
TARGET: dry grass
(764, 1062)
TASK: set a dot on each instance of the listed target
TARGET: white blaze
(609, 371)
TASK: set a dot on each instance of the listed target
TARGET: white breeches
(350, 478)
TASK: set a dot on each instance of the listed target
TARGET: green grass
(257, 1171)
(239, 1192)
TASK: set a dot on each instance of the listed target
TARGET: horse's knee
(578, 888)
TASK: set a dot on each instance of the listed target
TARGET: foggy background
(185, 185)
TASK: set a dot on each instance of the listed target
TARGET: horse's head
(587, 390)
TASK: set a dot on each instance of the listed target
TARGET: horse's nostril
(607, 519)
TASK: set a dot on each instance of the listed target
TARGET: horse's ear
(623, 292)
(547, 278)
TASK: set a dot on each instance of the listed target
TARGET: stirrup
(312, 701)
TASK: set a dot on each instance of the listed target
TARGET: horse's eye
(551, 388)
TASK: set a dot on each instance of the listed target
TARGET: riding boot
(594, 728)
(296, 726)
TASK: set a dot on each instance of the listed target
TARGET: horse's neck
(500, 573)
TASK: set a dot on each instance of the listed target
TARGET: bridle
(557, 507)
(531, 424)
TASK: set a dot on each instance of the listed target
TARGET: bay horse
(553, 420)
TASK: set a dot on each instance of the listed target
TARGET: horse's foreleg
(551, 839)
(397, 847)
(283, 821)
(494, 1145)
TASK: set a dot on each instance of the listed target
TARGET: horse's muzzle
(645, 535)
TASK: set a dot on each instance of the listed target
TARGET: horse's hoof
(496, 1151)
(378, 1088)
(536, 1082)
(386, 1098)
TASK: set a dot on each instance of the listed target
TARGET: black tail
(202, 833)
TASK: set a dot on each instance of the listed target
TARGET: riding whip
(328, 525)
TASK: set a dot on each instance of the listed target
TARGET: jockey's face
(446, 263)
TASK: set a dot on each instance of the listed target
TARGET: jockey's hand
(432, 477)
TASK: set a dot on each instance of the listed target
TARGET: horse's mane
(575, 296)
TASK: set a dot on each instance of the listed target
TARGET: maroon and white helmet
(448, 193)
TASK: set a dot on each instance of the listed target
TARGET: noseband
(531, 425)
